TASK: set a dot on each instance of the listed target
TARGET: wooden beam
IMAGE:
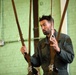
(36, 27)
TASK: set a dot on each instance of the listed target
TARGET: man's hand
(54, 44)
(24, 52)
(23, 49)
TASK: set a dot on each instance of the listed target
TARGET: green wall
(11, 59)
(72, 31)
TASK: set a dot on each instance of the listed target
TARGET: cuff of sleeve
(59, 52)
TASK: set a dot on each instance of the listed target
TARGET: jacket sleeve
(35, 59)
(67, 54)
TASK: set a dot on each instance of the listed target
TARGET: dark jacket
(42, 55)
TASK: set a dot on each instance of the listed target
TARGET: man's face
(46, 26)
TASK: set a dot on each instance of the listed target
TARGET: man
(43, 55)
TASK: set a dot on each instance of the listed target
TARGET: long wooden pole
(29, 37)
(51, 7)
(53, 52)
(21, 38)
(18, 25)
(36, 27)
(62, 19)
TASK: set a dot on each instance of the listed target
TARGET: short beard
(46, 33)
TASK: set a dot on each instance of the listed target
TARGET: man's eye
(44, 24)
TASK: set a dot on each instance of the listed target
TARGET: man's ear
(52, 23)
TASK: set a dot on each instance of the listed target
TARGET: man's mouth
(44, 30)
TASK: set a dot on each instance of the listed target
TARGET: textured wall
(11, 59)
(72, 31)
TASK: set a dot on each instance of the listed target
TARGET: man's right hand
(23, 49)
(24, 52)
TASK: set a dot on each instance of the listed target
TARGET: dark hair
(48, 18)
